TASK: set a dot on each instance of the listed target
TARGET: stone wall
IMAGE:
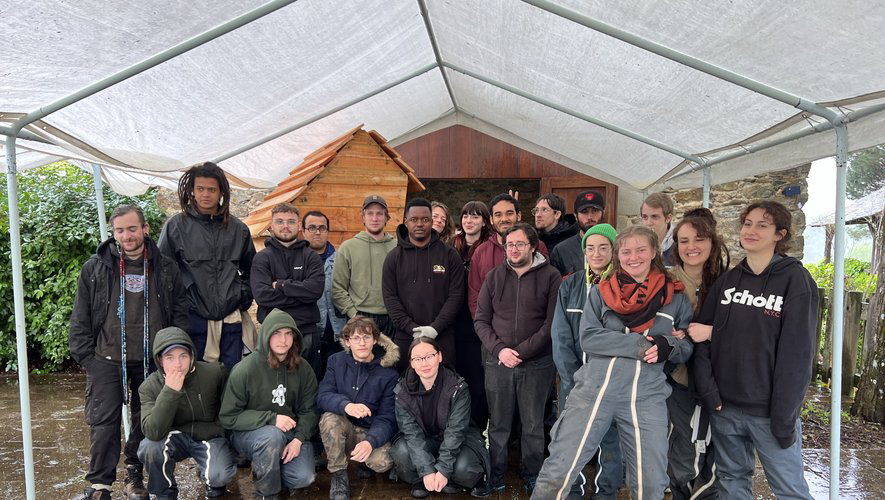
(242, 202)
(727, 200)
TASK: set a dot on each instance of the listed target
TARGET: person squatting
(422, 355)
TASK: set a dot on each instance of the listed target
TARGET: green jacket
(194, 409)
(256, 393)
(356, 276)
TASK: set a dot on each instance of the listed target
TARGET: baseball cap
(374, 198)
(589, 199)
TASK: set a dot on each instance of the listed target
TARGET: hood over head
(274, 321)
(386, 351)
(171, 336)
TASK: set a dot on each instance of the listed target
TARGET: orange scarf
(638, 303)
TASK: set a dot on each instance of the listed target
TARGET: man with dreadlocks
(126, 293)
(214, 252)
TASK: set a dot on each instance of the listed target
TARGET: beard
(285, 238)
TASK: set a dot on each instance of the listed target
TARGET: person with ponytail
(438, 448)
(126, 293)
(633, 322)
(699, 258)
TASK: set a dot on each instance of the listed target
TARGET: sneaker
(215, 491)
(133, 485)
(529, 485)
(340, 486)
(452, 489)
(91, 493)
(418, 490)
(364, 472)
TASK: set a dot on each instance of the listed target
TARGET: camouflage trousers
(339, 436)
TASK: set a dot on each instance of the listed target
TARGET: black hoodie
(563, 230)
(300, 281)
(422, 286)
(763, 341)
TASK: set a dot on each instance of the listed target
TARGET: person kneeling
(179, 418)
(270, 405)
(438, 448)
(356, 398)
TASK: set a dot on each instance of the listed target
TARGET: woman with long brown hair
(441, 222)
(476, 227)
(699, 258)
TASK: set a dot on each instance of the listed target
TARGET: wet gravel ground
(61, 443)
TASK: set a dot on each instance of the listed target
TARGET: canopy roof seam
(436, 54)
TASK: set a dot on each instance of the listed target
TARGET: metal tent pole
(838, 309)
(707, 187)
(99, 202)
(15, 129)
(18, 291)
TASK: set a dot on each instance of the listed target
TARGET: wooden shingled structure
(336, 178)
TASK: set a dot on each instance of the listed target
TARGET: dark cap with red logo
(589, 199)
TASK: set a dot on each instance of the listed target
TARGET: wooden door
(569, 187)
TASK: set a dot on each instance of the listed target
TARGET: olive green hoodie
(256, 393)
(194, 409)
(356, 276)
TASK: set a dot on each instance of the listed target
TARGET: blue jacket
(327, 307)
(348, 381)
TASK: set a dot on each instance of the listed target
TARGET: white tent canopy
(643, 94)
(311, 57)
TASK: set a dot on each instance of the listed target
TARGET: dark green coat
(257, 393)
(194, 409)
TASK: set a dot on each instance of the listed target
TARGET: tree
(866, 171)
(59, 231)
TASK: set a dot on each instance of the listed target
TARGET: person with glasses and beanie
(598, 243)
(513, 317)
(438, 448)
(288, 275)
(422, 283)
(356, 401)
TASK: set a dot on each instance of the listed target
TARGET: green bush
(857, 275)
(59, 231)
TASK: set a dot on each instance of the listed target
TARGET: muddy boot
(91, 493)
(340, 486)
(133, 485)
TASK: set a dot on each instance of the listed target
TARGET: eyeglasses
(361, 339)
(519, 245)
(541, 210)
(317, 229)
(415, 220)
(424, 359)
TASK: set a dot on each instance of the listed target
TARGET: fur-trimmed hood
(385, 351)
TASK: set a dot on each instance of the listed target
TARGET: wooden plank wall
(459, 152)
(361, 168)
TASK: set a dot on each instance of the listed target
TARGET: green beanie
(604, 229)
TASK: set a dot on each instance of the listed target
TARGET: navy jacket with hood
(759, 356)
(349, 381)
(422, 286)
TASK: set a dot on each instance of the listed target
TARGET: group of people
(425, 354)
